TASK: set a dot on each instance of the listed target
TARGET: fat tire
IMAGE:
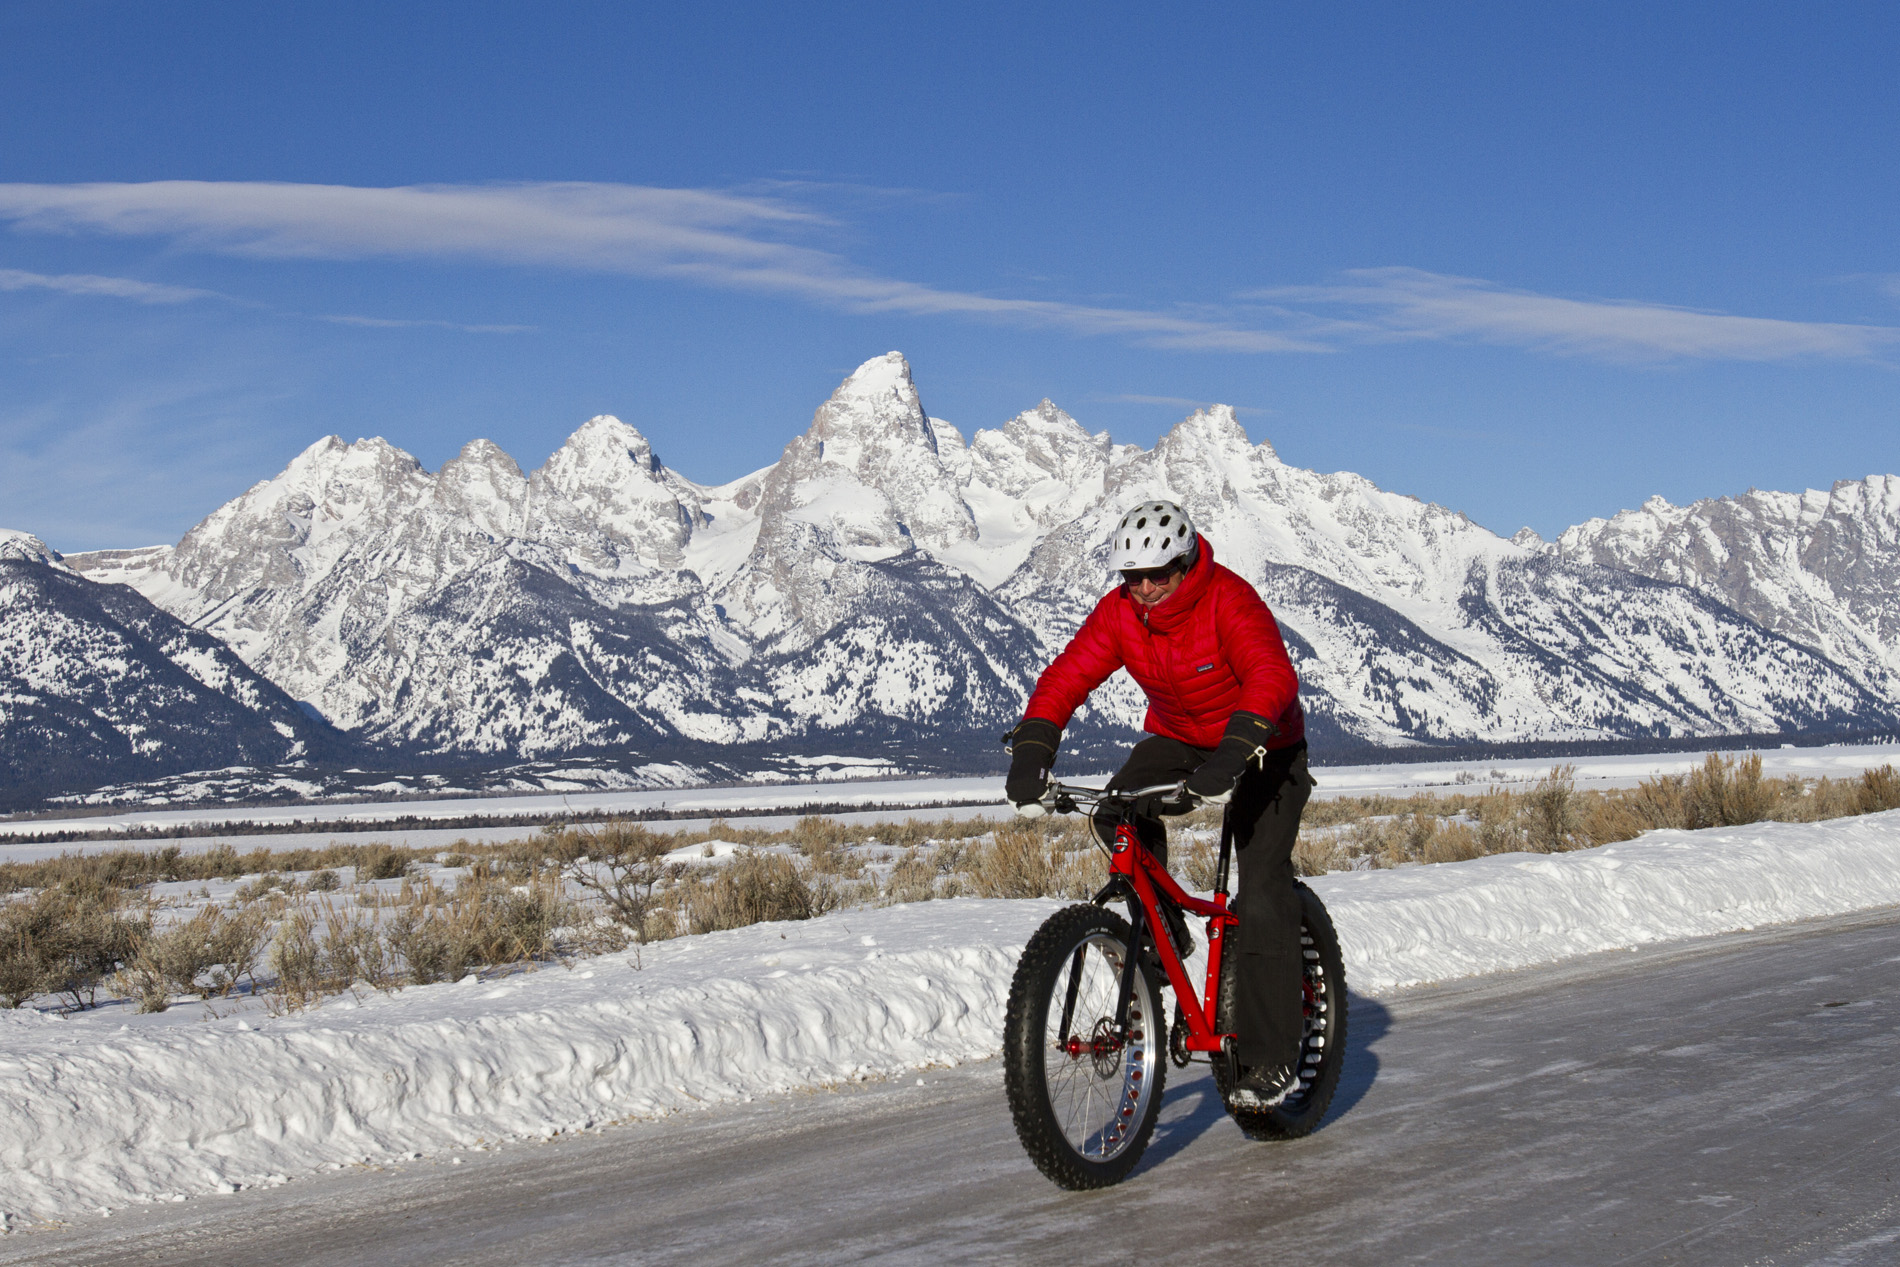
(1040, 974)
(1322, 1049)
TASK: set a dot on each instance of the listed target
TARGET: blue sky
(1534, 262)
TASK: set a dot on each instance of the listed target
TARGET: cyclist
(1223, 713)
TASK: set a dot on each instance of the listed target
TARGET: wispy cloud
(761, 240)
(110, 287)
(395, 323)
(89, 284)
(729, 240)
(1408, 303)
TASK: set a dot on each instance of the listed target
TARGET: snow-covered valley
(112, 1108)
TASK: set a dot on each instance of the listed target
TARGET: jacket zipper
(1167, 669)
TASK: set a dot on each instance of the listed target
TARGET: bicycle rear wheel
(1085, 1097)
(1323, 1041)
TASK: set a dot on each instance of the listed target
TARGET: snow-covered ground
(441, 838)
(520, 816)
(107, 1108)
(711, 801)
(1834, 761)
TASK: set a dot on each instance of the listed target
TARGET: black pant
(1265, 815)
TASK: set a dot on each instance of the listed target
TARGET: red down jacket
(1207, 649)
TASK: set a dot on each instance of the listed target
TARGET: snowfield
(776, 805)
(107, 1108)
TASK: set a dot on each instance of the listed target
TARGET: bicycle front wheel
(1084, 1094)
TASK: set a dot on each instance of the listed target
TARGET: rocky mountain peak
(1212, 430)
(1819, 567)
(603, 453)
(868, 471)
(606, 436)
(873, 414)
(484, 484)
(609, 497)
(1038, 444)
(330, 464)
(284, 532)
(24, 547)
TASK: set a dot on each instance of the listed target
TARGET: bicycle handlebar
(1065, 798)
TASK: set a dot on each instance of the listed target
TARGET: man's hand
(1245, 740)
(1032, 754)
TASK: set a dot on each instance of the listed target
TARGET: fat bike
(1085, 1033)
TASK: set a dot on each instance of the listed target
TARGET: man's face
(1151, 585)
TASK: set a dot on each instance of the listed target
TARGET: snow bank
(1421, 924)
(99, 1114)
(105, 1108)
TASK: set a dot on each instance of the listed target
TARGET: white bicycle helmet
(1152, 535)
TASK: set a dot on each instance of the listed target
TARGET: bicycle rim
(1098, 1084)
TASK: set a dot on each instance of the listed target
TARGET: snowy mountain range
(97, 684)
(889, 587)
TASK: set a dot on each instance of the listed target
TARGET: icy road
(1725, 1101)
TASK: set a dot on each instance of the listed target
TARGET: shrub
(26, 932)
(1031, 859)
(913, 879)
(1879, 790)
(1015, 864)
(218, 945)
(1498, 828)
(1626, 813)
(67, 941)
(1724, 792)
(622, 865)
(830, 857)
(1317, 852)
(753, 888)
(143, 985)
(483, 923)
(1453, 841)
(130, 868)
(297, 959)
(1550, 813)
(329, 947)
(1376, 839)
(1832, 798)
(381, 862)
(1195, 862)
(252, 890)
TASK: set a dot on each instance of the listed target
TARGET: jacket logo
(1204, 668)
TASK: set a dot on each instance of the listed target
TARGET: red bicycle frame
(1134, 864)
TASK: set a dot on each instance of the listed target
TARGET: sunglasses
(1151, 576)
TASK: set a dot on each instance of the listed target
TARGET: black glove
(1245, 740)
(1032, 754)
